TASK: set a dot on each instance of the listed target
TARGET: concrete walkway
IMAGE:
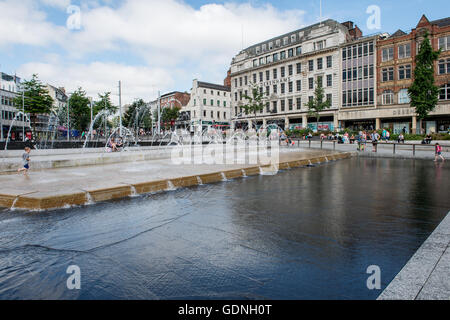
(426, 276)
(55, 188)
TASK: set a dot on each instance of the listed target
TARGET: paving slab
(54, 188)
(426, 276)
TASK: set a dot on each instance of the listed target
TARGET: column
(336, 122)
(304, 121)
(414, 124)
(377, 124)
(286, 123)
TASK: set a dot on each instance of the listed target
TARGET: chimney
(348, 24)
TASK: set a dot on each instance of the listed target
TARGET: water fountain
(12, 125)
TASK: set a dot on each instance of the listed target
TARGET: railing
(414, 147)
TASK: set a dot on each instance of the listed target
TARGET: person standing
(375, 137)
(438, 152)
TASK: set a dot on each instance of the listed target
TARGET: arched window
(388, 97)
(403, 96)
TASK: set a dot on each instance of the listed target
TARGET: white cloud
(169, 36)
(100, 77)
(61, 4)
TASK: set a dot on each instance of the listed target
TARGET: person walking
(438, 152)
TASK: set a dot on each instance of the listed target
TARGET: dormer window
(270, 45)
(264, 47)
(258, 49)
(293, 38)
(301, 34)
(278, 43)
(285, 41)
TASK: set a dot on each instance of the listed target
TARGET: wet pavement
(306, 233)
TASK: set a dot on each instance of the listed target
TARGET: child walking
(26, 161)
(438, 153)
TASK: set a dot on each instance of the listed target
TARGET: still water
(307, 233)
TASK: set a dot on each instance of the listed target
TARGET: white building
(286, 69)
(9, 90)
(210, 104)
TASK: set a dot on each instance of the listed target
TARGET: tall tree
(105, 104)
(80, 111)
(255, 103)
(36, 100)
(423, 93)
(318, 103)
(133, 115)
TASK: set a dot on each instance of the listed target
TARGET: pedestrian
(25, 161)
(375, 136)
(438, 153)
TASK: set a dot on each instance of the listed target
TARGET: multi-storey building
(396, 55)
(359, 80)
(287, 69)
(9, 90)
(210, 104)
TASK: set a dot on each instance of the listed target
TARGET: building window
(267, 91)
(204, 100)
(291, 87)
(290, 104)
(298, 51)
(245, 80)
(282, 55)
(275, 57)
(290, 70)
(261, 77)
(404, 72)
(319, 63)
(283, 102)
(282, 88)
(444, 66)
(283, 72)
(299, 85)
(388, 97)
(240, 81)
(299, 68)
(330, 98)
(274, 104)
(267, 75)
(224, 103)
(311, 65)
(445, 92)
(290, 53)
(275, 89)
(403, 96)
(268, 59)
(268, 107)
(387, 54)
(344, 54)
(235, 84)
(299, 103)
(444, 43)
(320, 80)
(311, 83)
(254, 78)
(212, 103)
(329, 61)
(404, 51)
(329, 80)
(387, 74)
(344, 76)
(275, 75)
(319, 45)
(344, 98)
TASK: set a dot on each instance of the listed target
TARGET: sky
(162, 45)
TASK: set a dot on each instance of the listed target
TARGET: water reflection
(306, 233)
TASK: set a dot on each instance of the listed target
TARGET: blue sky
(156, 45)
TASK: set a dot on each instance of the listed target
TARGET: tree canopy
(318, 103)
(423, 93)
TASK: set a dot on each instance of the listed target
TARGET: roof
(398, 33)
(172, 93)
(442, 22)
(213, 86)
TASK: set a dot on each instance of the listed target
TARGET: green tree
(318, 103)
(105, 104)
(255, 103)
(36, 100)
(423, 93)
(170, 114)
(80, 111)
(134, 114)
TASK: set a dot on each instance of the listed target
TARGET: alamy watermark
(374, 280)
(374, 20)
(73, 22)
(74, 280)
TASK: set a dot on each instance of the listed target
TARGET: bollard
(321, 144)
(394, 148)
(309, 143)
(334, 145)
(414, 150)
